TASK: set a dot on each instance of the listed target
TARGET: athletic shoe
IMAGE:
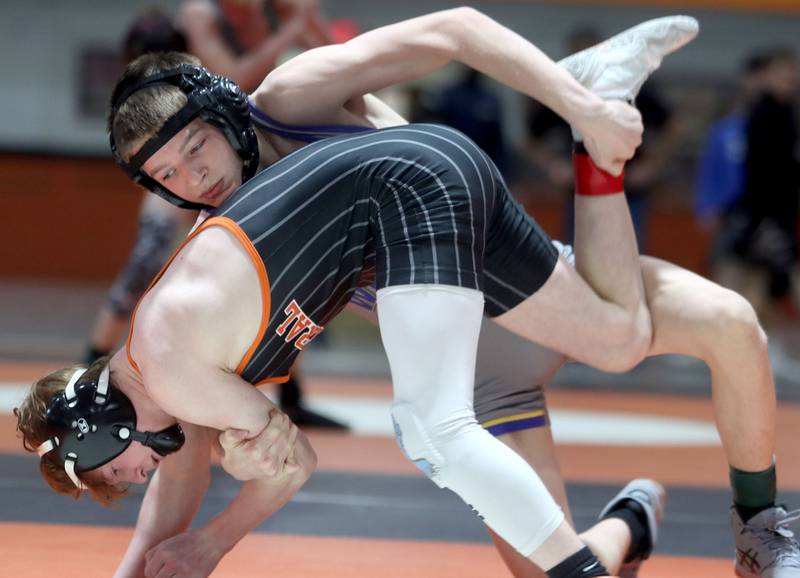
(618, 67)
(765, 546)
(652, 497)
(301, 416)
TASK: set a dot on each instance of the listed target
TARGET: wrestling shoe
(301, 416)
(765, 546)
(290, 400)
(617, 68)
(651, 497)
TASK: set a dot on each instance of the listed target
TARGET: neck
(267, 150)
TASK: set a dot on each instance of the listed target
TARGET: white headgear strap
(69, 467)
(69, 391)
(101, 393)
(47, 446)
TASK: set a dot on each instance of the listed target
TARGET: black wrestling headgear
(91, 422)
(215, 99)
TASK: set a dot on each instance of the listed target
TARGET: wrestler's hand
(612, 135)
(268, 455)
(193, 554)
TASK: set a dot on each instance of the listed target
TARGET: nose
(197, 175)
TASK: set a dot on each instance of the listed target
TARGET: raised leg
(696, 317)
(566, 312)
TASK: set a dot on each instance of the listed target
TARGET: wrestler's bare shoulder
(209, 295)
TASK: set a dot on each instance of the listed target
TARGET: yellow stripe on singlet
(516, 417)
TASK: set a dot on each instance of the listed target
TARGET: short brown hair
(31, 428)
(144, 112)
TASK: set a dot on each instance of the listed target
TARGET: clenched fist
(612, 135)
(267, 455)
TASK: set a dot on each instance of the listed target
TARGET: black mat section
(374, 506)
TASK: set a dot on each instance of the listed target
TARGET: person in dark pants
(769, 203)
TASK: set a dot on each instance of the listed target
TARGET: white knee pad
(494, 481)
(431, 335)
(415, 443)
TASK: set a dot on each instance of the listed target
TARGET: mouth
(214, 192)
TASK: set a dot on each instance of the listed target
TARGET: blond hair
(144, 112)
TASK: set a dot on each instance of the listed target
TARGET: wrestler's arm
(160, 539)
(190, 334)
(171, 500)
(318, 85)
(198, 551)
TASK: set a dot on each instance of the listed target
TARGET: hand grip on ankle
(590, 180)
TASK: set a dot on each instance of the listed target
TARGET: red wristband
(593, 181)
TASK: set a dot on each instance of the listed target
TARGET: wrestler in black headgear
(91, 422)
(215, 99)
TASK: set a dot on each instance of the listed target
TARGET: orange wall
(69, 218)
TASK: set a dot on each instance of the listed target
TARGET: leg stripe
(517, 423)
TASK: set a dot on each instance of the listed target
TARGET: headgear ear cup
(164, 442)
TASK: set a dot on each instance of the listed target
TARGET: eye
(197, 147)
(166, 176)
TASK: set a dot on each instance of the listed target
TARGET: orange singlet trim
(263, 280)
(280, 379)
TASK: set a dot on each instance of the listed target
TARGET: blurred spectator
(761, 229)
(471, 107)
(721, 175)
(549, 140)
(721, 183)
(159, 222)
(153, 31)
(243, 39)
(233, 38)
(317, 31)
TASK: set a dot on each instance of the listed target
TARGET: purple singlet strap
(304, 133)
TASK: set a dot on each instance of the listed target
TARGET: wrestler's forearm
(169, 505)
(260, 498)
(257, 500)
(500, 53)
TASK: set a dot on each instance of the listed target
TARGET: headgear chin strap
(91, 422)
(215, 99)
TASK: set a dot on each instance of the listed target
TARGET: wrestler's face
(130, 467)
(198, 164)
